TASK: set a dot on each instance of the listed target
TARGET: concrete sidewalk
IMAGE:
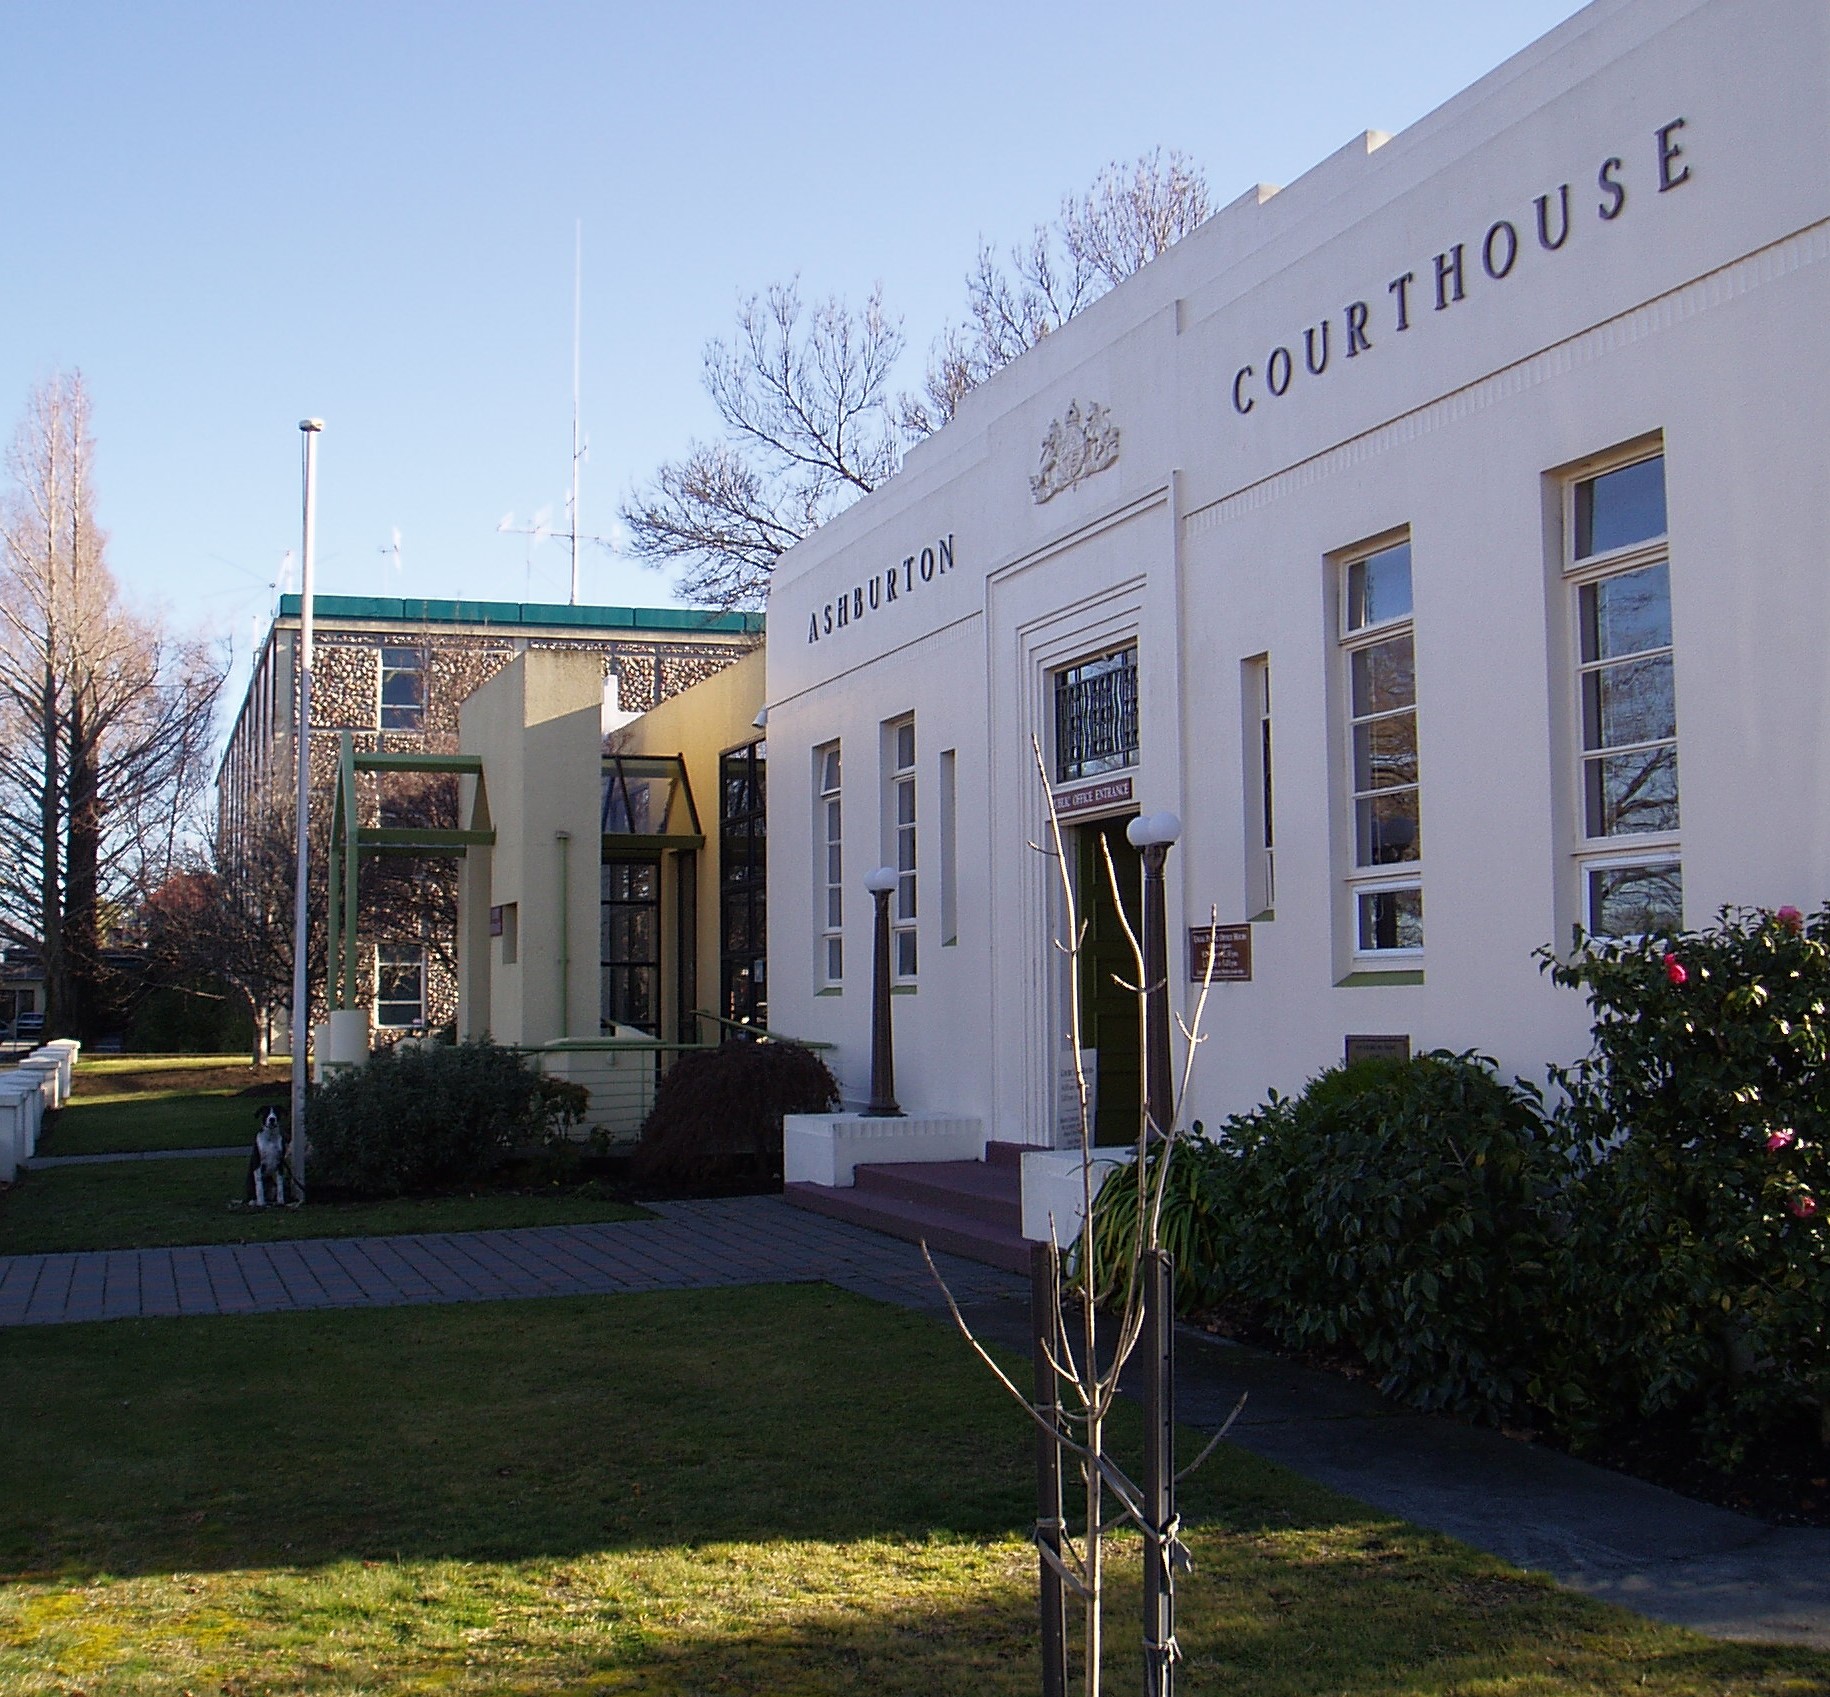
(1596, 1531)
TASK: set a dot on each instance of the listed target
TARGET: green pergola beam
(468, 763)
(416, 837)
(350, 840)
(626, 845)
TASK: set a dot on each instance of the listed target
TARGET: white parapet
(827, 1148)
(1053, 1194)
(15, 1133)
(47, 1067)
(66, 1049)
(26, 1091)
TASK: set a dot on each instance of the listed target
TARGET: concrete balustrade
(21, 1113)
(66, 1050)
(51, 1069)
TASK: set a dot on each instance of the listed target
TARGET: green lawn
(135, 1103)
(126, 1103)
(783, 1490)
(114, 1125)
(153, 1204)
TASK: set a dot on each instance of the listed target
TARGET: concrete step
(1001, 1155)
(915, 1222)
(971, 1188)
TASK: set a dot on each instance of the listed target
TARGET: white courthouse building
(1444, 537)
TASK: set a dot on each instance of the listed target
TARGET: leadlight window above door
(1096, 716)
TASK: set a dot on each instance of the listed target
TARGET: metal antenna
(581, 447)
(578, 278)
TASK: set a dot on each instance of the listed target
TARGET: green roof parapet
(371, 609)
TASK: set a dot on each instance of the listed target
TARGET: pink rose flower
(1674, 970)
(1804, 1205)
(1779, 1139)
(1790, 918)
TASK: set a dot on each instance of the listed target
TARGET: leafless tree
(804, 396)
(1088, 1358)
(810, 423)
(1130, 215)
(226, 917)
(105, 716)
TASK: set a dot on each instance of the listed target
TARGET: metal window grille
(1096, 716)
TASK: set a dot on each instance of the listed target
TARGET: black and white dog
(267, 1175)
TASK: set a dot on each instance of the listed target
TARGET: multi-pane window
(1260, 835)
(1385, 877)
(1096, 716)
(743, 864)
(1628, 858)
(400, 985)
(902, 826)
(629, 987)
(829, 836)
(403, 688)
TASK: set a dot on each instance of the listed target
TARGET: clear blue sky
(233, 215)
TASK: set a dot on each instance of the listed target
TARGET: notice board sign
(495, 921)
(1379, 1048)
(1231, 948)
(1083, 798)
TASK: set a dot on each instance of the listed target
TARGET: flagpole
(301, 743)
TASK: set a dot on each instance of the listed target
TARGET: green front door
(1108, 1011)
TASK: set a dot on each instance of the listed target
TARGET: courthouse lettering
(1445, 281)
(882, 589)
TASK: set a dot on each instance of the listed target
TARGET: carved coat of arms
(1074, 448)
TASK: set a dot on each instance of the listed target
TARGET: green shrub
(417, 1119)
(1698, 1261)
(206, 1018)
(1397, 1212)
(717, 1113)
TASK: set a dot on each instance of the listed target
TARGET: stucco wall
(1681, 308)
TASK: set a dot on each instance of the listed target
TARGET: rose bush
(1697, 1267)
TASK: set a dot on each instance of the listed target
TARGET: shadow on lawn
(749, 1490)
(495, 1431)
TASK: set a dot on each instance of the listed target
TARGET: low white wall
(827, 1148)
(22, 1099)
(1052, 1190)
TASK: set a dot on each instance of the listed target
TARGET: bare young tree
(804, 396)
(1085, 1358)
(1130, 215)
(105, 718)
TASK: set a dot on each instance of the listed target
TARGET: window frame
(422, 671)
(1653, 850)
(1124, 755)
(1368, 882)
(418, 964)
(743, 883)
(902, 845)
(829, 863)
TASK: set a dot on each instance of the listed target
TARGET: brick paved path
(692, 1245)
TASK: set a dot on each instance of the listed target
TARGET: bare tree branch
(1130, 215)
(804, 397)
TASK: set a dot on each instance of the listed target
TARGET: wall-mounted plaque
(1083, 798)
(495, 921)
(1379, 1048)
(1231, 947)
